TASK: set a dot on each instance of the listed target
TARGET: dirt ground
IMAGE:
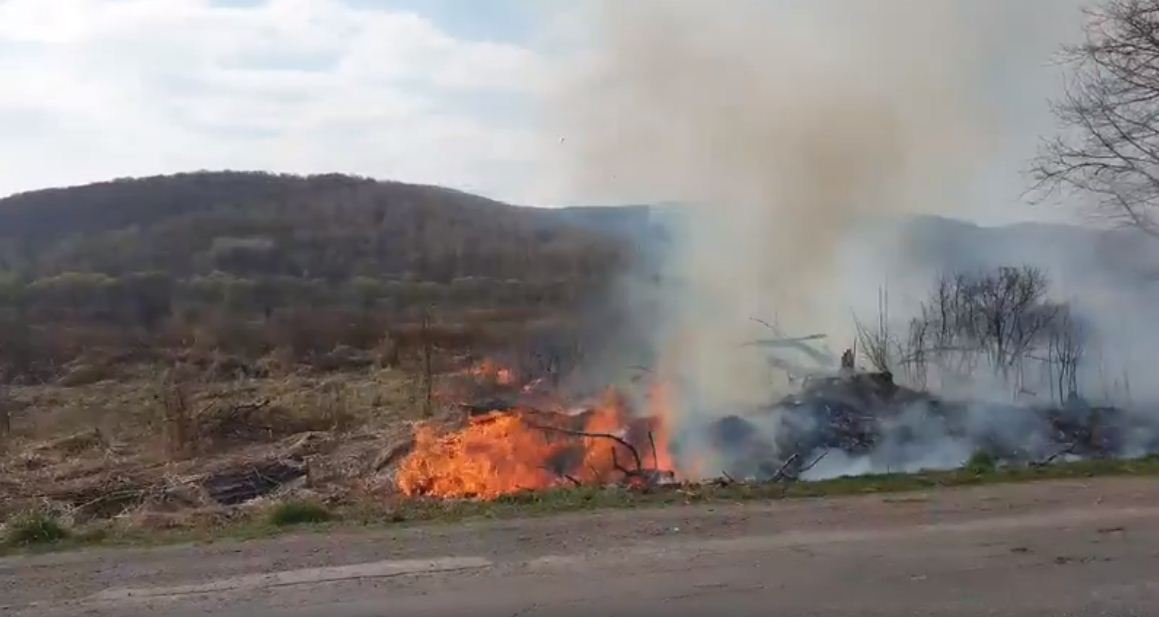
(1050, 548)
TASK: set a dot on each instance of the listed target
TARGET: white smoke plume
(783, 125)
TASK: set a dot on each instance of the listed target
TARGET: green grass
(981, 462)
(33, 529)
(290, 513)
(304, 516)
(587, 498)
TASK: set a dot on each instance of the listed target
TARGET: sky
(448, 92)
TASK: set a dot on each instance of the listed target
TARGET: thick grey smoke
(783, 125)
(797, 135)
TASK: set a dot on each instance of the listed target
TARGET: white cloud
(93, 89)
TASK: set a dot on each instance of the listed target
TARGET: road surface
(1051, 549)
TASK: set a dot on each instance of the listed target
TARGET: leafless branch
(1050, 459)
(615, 438)
(1109, 114)
(811, 465)
(781, 472)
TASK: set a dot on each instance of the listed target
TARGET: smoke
(781, 127)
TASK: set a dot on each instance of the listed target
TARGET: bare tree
(1011, 314)
(946, 332)
(914, 357)
(1066, 347)
(1109, 116)
(996, 318)
(875, 342)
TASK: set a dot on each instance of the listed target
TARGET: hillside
(249, 263)
(328, 227)
(221, 251)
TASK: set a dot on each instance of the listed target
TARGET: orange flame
(516, 450)
(491, 371)
(660, 405)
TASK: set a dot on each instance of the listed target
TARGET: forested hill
(250, 263)
(247, 263)
(329, 227)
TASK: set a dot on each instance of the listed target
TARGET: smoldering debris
(872, 425)
(780, 129)
(513, 435)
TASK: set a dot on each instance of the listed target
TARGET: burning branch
(619, 440)
(655, 457)
(616, 464)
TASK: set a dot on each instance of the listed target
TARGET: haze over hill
(335, 227)
(143, 250)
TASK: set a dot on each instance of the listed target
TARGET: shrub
(298, 513)
(33, 528)
(981, 462)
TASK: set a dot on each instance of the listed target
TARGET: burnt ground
(1052, 548)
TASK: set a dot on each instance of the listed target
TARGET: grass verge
(33, 529)
(307, 516)
(584, 498)
(290, 513)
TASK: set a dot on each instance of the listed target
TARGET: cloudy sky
(435, 91)
(422, 90)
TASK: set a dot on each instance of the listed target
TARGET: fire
(516, 450)
(491, 371)
(660, 405)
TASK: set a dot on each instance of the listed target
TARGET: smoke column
(782, 126)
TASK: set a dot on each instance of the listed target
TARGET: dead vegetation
(208, 438)
(179, 447)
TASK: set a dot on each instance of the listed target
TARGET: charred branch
(1109, 113)
(811, 465)
(780, 474)
(1050, 459)
(618, 467)
(655, 455)
(619, 440)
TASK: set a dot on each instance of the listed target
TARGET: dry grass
(137, 446)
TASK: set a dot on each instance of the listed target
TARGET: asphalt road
(1050, 549)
